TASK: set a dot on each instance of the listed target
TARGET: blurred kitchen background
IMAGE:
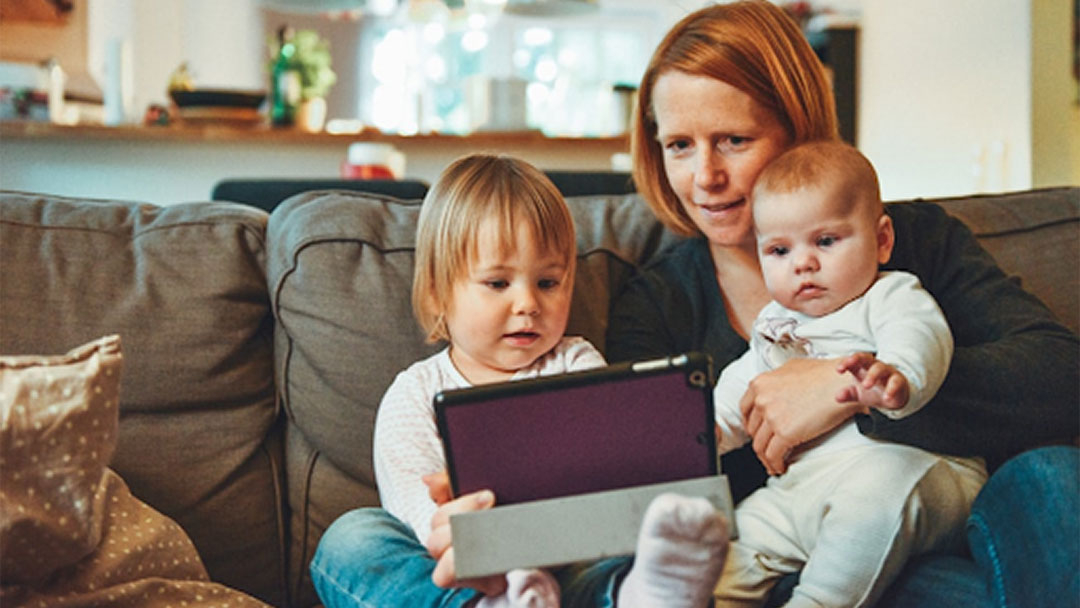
(946, 98)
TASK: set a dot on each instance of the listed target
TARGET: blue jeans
(1024, 534)
(368, 558)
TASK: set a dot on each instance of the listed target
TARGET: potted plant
(300, 61)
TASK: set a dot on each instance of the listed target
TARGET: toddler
(849, 510)
(494, 274)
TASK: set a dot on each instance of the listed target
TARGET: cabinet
(837, 47)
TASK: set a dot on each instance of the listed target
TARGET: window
(456, 72)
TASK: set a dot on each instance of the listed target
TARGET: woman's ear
(886, 238)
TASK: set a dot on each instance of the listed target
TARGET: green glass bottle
(284, 81)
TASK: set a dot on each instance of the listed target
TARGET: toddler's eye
(777, 250)
(826, 241)
(497, 283)
(547, 284)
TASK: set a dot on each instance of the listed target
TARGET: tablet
(620, 426)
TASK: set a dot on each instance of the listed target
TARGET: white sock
(525, 589)
(680, 552)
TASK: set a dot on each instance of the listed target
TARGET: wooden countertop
(265, 134)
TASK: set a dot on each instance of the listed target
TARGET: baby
(850, 510)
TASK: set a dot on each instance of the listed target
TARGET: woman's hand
(787, 407)
(440, 544)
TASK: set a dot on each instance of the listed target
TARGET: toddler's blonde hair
(472, 189)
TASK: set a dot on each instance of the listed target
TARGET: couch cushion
(184, 286)
(340, 277)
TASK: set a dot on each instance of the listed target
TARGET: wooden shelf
(262, 134)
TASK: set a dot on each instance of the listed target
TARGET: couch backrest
(185, 288)
(1033, 235)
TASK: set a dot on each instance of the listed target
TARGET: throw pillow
(58, 424)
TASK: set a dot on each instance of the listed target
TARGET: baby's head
(821, 227)
(495, 252)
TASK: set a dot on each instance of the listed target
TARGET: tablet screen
(620, 426)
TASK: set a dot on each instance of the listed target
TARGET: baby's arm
(878, 384)
(733, 381)
(911, 336)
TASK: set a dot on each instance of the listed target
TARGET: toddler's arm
(406, 448)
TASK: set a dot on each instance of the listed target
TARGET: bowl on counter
(219, 106)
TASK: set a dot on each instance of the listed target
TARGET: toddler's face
(818, 250)
(510, 308)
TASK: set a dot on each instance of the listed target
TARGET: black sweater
(1014, 381)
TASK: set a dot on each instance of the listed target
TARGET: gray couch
(257, 347)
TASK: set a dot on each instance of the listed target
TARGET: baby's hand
(878, 384)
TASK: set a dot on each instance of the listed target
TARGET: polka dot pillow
(58, 423)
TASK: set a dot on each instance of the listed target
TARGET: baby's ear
(886, 238)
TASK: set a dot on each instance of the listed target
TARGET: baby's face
(511, 307)
(819, 249)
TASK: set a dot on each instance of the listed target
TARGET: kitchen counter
(165, 165)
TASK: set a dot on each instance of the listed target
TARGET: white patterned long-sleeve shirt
(407, 444)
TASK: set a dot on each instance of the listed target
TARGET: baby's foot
(680, 552)
(525, 589)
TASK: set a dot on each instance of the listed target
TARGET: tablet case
(621, 426)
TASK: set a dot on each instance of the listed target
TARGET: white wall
(945, 95)
(221, 42)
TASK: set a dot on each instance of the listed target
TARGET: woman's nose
(709, 170)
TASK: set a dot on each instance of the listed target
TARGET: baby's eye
(497, 283)
(777, 250)
(826, 241)
(547, 284)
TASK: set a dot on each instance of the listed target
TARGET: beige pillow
(71, 532)
(58, 422)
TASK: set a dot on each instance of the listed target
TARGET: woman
(729, 89)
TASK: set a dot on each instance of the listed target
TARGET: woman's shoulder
(919, 214)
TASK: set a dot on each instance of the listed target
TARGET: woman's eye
(676, 146)
(733, 142)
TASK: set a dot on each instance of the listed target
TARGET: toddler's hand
(878, 384)
(440, 542)
(438, 485)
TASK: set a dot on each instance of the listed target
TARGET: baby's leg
(768, 546)
(889, 503)
(680, 552)
(525, 589)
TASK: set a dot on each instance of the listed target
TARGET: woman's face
(715, 139)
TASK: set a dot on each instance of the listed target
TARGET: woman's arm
(1014, 382)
